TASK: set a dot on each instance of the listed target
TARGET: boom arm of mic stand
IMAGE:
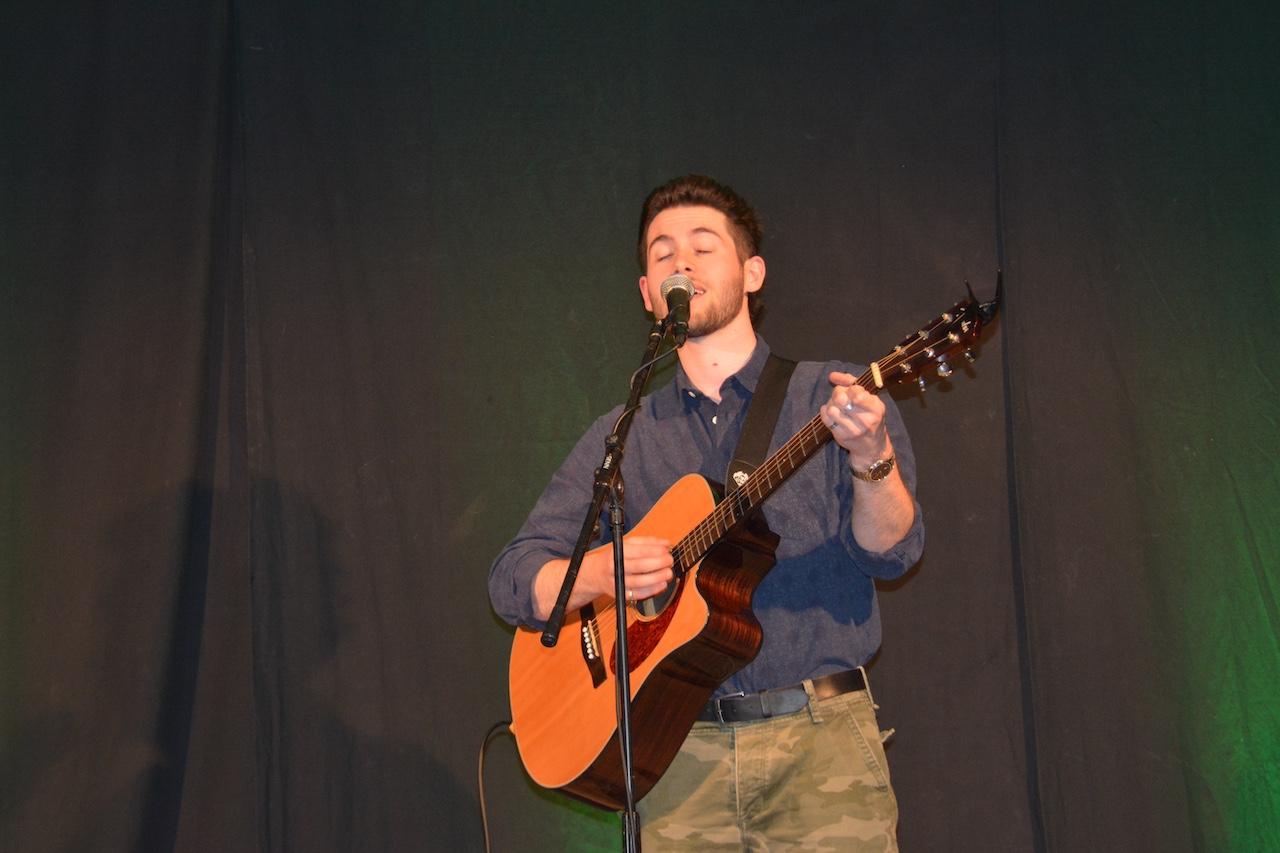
(605, 475)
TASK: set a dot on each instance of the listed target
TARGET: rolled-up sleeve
(894, 562)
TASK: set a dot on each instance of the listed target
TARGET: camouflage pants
(814, 780)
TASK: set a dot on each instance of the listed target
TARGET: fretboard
(763, 482)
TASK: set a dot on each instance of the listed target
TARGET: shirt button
(714, 419)
(691, 394)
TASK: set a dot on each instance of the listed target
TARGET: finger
(640, 568)
(648, 588)
(845, 416)
(835, 377)
(648, 540)
(855, 396)
(852, 398)
(644, 592)
(832, 416)
(648, 561)
(846, 427)
(646, 547)
(650, 580)
(636, 552)
(647, 585)
(864, 399)
(861, 404)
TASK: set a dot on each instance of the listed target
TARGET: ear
(644, 293)
(753, 274)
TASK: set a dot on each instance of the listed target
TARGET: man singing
(788, 753)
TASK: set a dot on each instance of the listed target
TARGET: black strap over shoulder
(762, 417)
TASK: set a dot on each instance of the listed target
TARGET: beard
(718, 310)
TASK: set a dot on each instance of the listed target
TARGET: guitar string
(807, 440)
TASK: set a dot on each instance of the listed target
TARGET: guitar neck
(763, 482)
(926, 350)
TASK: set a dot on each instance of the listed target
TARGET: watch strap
(876, 471)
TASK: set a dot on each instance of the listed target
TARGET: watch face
(880, 469)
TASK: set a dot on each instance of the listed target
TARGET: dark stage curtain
(300, 305)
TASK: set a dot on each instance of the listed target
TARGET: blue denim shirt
(817, 605)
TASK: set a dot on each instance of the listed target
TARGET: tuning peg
(969, 356)
(920, 383)
(944, 369)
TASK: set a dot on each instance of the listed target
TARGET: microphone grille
(676, 282)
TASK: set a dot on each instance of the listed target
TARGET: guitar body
(564, 717)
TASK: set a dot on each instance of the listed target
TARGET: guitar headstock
(927, 352)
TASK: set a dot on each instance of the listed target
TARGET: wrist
(546, 586)
(873, 467)
(862, 459)
(878, 470)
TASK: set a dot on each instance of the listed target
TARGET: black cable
(484, 745)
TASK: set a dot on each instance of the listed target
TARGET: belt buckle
(720, 710)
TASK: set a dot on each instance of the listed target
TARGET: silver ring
(848, 407)
(631, 595)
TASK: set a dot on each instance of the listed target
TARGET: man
(813, 776)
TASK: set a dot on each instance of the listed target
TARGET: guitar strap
(762, 417)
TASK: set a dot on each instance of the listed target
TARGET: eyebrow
(699, 230)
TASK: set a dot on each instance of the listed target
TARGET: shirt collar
(670, 401)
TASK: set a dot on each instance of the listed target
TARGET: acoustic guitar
(687, 640)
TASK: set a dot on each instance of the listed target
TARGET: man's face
(698, 242)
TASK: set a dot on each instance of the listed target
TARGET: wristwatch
(876, 471)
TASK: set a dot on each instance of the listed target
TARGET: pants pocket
(860, 718)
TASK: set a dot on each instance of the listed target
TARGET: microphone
(677, 290)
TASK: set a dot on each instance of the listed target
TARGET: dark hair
(699, 190)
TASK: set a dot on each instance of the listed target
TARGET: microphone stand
(608, 482)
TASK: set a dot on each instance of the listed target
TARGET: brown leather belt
(784, 700)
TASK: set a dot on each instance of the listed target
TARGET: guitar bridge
(589, 638)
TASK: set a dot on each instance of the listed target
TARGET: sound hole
(644, 634)
(654, 605)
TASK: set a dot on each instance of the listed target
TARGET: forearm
(882, 512)
(648, 569)
(547, 583)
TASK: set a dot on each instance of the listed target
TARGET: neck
(711, 359)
